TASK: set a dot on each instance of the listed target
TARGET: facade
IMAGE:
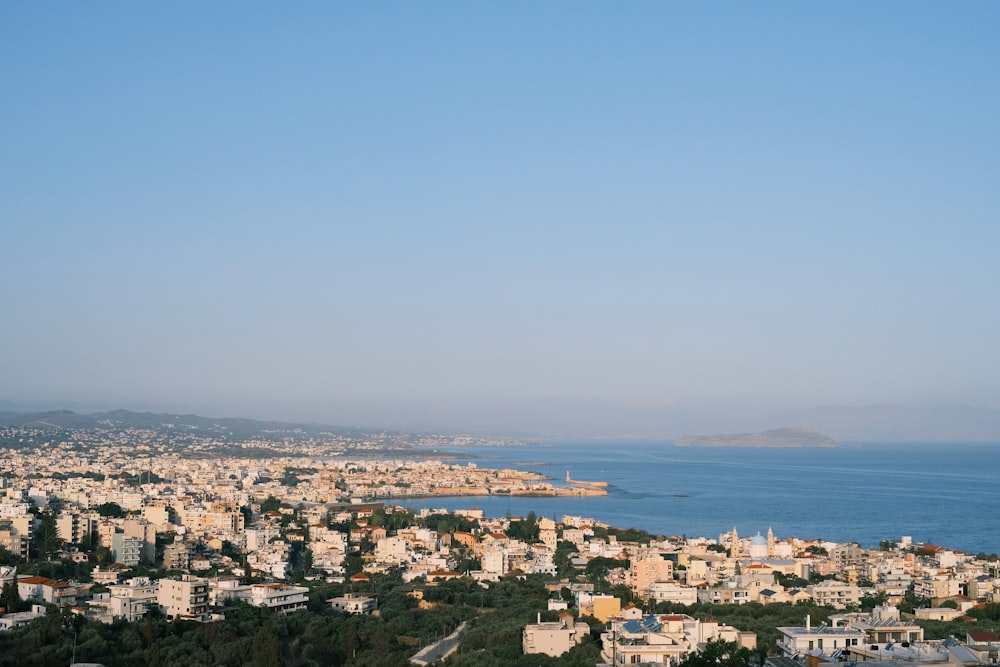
(665, 639)
(126, 550)
(796, 642)
(354, 604)
(601, 607)
(43, 589)
(553, 638)
(186, 598)
(281, 598)
(648, 569)
(882, 626)
(836, 594)
(669, 591)
(19, 618)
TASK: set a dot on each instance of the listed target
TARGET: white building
(354, 604)
(796, 642)
(669, 591)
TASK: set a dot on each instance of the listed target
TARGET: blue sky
(515, 215)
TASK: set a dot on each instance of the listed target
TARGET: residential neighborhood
(119, 531)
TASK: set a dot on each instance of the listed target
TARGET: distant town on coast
(141, 518)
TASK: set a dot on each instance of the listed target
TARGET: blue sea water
(939, 493)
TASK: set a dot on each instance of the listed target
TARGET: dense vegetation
(317, 636)
(496, 612)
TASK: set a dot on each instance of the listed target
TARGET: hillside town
(117, 531)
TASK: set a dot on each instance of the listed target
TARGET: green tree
(718, 653)
(10, 600)
(871, 600)
(270, 504)
(47, 540)
(598, 568)
(109, 509)
(8, 558)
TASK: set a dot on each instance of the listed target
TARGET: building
(836, 594)
(43, 589)
(19, 618)
(882, 626)
(553, 638)
(665, 639)
(649, 568)
(352, 603)
(601, 607)
(281, 598)
(796, 642)
(669, 591)
(183, 598)
(13, 539)
(126, 550)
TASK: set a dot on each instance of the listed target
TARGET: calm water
(947, 494)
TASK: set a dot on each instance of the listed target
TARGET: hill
(793, 436)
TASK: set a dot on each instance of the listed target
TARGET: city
(146, 524)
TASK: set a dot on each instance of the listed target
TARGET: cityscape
(180, 520)
(523, 334)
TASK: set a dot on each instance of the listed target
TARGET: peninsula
(796, 436)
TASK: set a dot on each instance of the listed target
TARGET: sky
(595, 218)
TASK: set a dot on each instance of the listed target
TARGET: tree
(871, 600)
(597, 568)
(718, 653)
(8, 558)
(270, 504)
(47, 540)
(10, 599)
(109, 509)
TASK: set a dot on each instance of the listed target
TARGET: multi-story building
(352, 603)
(882, 626)
(280, 598)
(126, 550)
(43, 589)
(664, 639)
(13, 540)
(185, 598)
(648, 568)
(670, 591)
(553, 638)
(796, 642)
(835, 594)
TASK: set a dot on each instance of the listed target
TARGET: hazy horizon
(583, 219)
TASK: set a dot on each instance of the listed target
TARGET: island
(791, 436)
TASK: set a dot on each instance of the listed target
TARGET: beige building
(186, 598)
(835, 594)
(553, 638)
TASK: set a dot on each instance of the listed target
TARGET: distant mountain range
(796, 436)
(121, 419)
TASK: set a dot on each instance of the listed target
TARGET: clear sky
(628, 217)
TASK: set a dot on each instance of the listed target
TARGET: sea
(937, 493)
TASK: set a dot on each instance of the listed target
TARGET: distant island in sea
(792, 436)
